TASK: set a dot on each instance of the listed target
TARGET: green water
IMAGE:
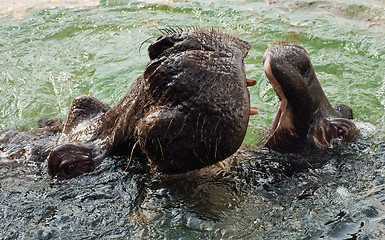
(51, 55)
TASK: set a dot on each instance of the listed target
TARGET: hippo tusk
(251, 82)
(220, 165)
(253, 110)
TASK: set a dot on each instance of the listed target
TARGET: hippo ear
(324, 131)
(344, 110)
(158, 47)
(83, 108)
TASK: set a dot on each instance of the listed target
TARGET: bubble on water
(343, 192)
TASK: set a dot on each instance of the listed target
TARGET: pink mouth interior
(278, 90)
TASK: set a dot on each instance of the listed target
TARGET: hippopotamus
(189, 109)
(305, 120)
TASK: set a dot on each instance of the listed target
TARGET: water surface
(51, 54)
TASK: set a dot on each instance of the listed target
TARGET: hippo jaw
(283, 129)
(283, 118)
(305, 118)
(199, 105)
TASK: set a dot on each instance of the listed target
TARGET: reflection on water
(58, 53)
(19, 9)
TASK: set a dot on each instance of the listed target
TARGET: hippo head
(197, 102)
(305, 117)
(188, 110)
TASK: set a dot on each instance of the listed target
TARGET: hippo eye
(340, 132)
(305, 70)
(68, 170)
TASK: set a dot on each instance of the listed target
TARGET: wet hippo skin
(189, 110)
(305, 118)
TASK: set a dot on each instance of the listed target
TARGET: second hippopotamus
(305, 121)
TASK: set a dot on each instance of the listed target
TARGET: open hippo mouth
(305, 117)
(278, 90)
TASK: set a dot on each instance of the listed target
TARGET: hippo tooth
(220, 165)
(253, 110)
(251, 82)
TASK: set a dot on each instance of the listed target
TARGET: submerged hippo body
(305, 118)
(189, 109)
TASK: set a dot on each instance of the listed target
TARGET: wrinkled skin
(189, 110)
(305, 118)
